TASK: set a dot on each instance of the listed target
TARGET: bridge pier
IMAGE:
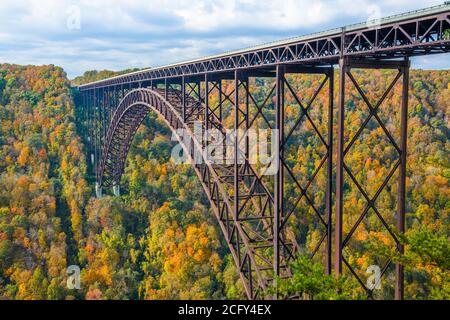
(98, 190)
(288, 210)
(344, 146)
(116, 190)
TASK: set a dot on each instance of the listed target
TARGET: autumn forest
(159, 239)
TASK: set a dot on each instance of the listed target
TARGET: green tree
(310, 282)
(426, 260)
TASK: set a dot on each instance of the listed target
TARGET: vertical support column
(106, 104)
(219, 86)
(100, 122)
(221, 101)
(98, 125)
(104, 110)
(94, 129)
(93, 137)
(183, 97)
(90, 127)
(115, 103)
(85, 117)
(79, 111)
(340, 169)
(206, 115)
(206, 106)
(87, 127)
(329, 192)
(166, 93)
(199, 91)
(279, 177)
(111, 104)
(401, 207)
(237, 76)
(247, 101)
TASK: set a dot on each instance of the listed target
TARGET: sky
(121, 34)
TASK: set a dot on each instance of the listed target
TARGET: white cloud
(119, 34)
(288, 14)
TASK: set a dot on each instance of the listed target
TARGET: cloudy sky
(119, 34)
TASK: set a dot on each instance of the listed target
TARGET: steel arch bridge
(250, 207)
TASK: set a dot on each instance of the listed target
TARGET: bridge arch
(127, 118)
(243, 236)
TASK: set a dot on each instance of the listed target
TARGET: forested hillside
(94, 75)
(159, 240)
(43, 190)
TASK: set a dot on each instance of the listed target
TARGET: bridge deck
(419, 32)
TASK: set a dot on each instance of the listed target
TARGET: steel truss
(243, 199)
(346, 66)
(258, 218)
(286, 214)
(416, 34)
(264, 217)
